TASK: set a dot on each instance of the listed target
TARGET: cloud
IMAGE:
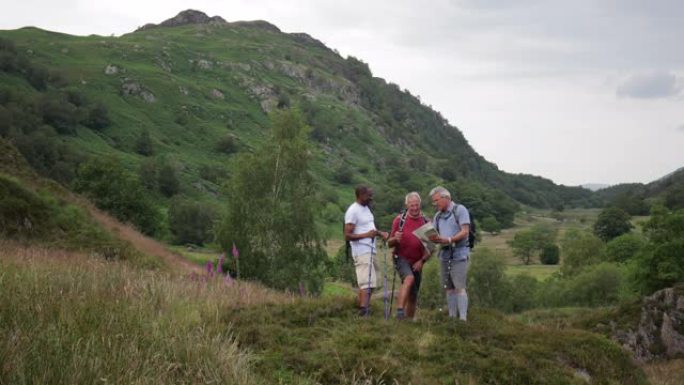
(680, 128)
(649, 86)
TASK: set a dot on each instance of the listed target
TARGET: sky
(584, 91)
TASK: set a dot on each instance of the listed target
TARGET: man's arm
(350, 236)
(465, 228)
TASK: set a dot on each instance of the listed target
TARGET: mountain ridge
(199, 93)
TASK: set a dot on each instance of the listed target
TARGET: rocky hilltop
(186, 17)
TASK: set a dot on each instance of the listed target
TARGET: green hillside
(186, 98)
(636, 198)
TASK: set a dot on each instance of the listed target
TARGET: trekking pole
(384, 285)
(370, 270)
(394, 278)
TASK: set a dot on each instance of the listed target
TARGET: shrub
(98, 117)
(550, 255)
(580, 249)
(167, 180)
(227, 144)
(597, 285)
(143, 145)
(191, 222)
(487, 282)
(624, 247)
(113, 189)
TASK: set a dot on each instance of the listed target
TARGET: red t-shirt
(410, 247)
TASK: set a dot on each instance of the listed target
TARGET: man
(359, 228)
(409, 254)
(452, 221)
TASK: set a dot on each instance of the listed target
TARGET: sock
(400, 313)
(452, 303)
(364, 311)
(462, 300)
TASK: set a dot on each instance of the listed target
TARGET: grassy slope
(73, 319)
(75, 224)
(185, 122)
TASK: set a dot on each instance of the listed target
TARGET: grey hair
(443, 193)
(411, 195)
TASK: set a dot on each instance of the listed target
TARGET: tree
(550, 254)
(168, 180)
(612, 222)
(190, 222)
(98, 117)
(269, 215)
(490, 224)
(659, 264)
(143, 145)
(623, 248)
(528, 242)
(580, 249)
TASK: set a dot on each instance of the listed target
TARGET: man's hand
(397, 236)
(440, 240)
(383, 234)
(417, 266)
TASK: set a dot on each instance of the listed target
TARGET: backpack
(472, 231)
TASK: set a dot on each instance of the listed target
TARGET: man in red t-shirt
(409, 253)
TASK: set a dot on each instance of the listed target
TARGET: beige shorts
(364, 270)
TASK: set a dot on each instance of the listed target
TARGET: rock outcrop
(186, 17)
(659, 333)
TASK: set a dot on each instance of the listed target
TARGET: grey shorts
(404, 269)
(454, 274)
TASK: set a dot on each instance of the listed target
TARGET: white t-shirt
(362, 219)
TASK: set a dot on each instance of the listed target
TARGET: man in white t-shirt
(359, 229)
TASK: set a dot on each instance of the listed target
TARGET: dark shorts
(404, 269)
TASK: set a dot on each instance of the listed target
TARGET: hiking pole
(384, 285)
(370, 270)
(394, 278)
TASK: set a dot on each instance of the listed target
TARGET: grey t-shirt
(449, 226)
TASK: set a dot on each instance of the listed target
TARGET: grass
(72, 319)
(322, 341)
(540, 272)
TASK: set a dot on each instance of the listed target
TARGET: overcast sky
(576, 91)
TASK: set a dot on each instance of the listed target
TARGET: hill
(172, 104)
(634, 197)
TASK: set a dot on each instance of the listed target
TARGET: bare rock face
(135, 89)
(112, 69)
(189, 16)
(660, 331)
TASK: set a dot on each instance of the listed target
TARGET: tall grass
(73, 319)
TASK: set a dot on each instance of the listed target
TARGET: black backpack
(472, 229)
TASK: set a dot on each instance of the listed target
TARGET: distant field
(575, 218)
(198, 256)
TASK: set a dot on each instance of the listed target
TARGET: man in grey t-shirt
(453, 222)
